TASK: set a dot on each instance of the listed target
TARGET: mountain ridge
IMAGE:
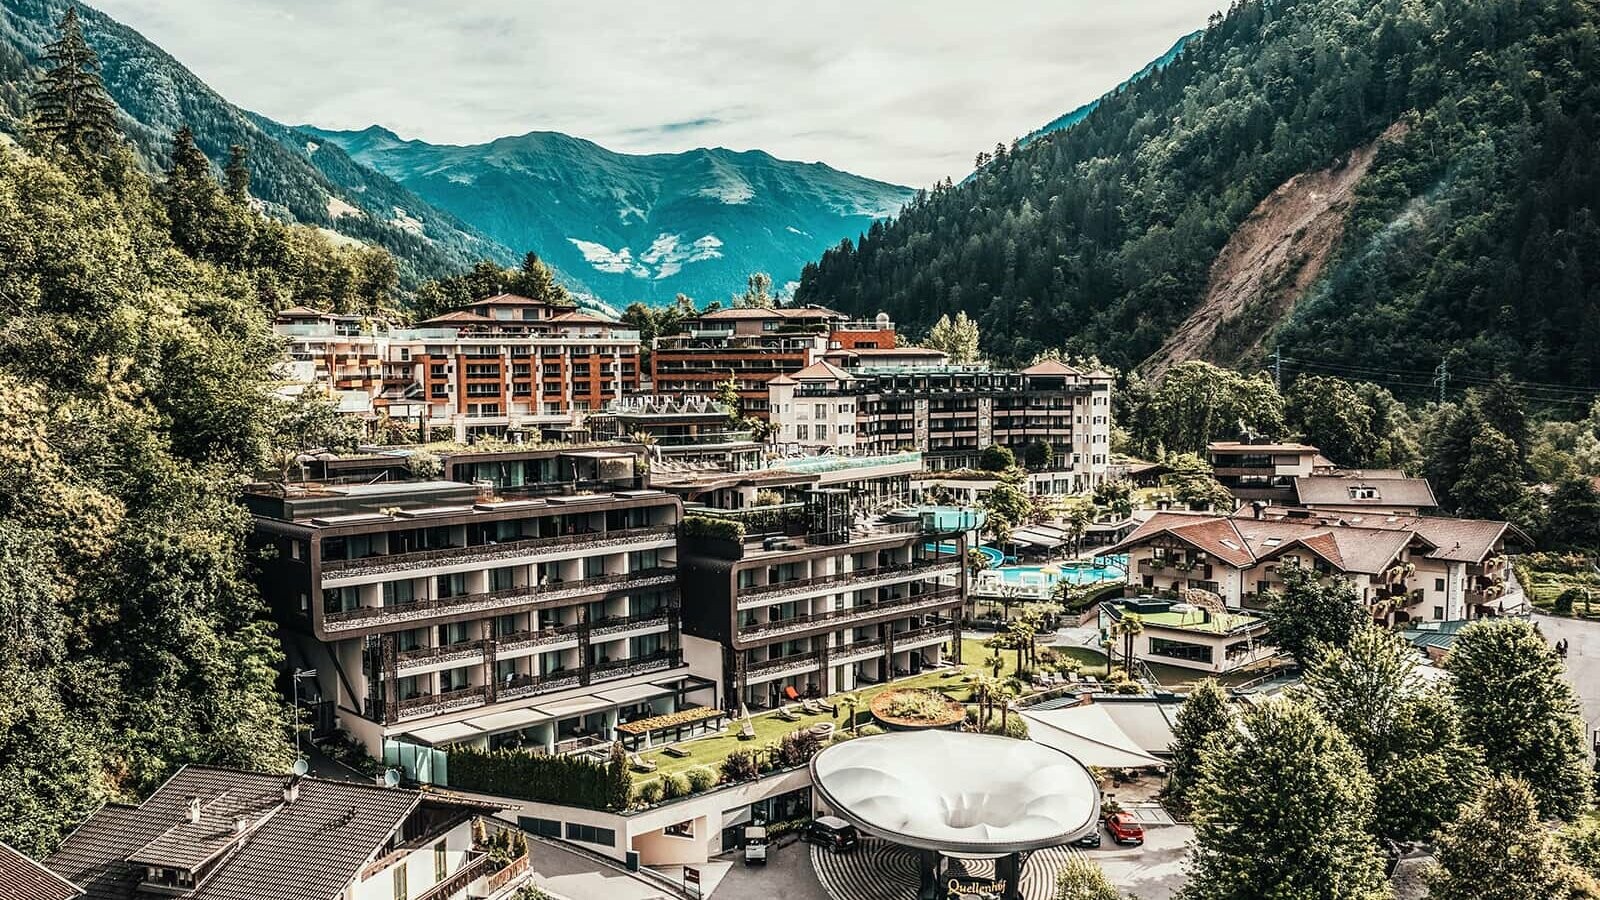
(635, 226)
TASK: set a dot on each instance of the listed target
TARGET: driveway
(1153, 871)
(786, 876)
(1583, 660)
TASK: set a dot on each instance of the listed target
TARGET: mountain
(1067, 120)
(635, 227)
(295, 175)
(1469, 238)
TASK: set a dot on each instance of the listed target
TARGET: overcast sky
(902, 90)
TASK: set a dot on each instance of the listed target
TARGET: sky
(906, 91)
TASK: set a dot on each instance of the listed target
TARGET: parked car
(1089, 841)
(755, 846)
(1125, 829)
(832, 832)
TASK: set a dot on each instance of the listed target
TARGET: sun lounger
(677, 752)
(640, 764)
(747, 731)
(787, 713)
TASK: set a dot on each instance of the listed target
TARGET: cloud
(903, 90)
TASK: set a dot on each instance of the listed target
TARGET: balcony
(434, 704)
(856, 652)
(860, 579)
(607, 627)
(535, 596)
(769, 669)
(522, 640)
(520, 686)
(942, 629)
(842, 617)
(401, 562)
(425, 656)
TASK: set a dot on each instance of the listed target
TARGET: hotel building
(500, 365)
(532, 601)
(951, 414)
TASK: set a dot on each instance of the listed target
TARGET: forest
(1470, 240)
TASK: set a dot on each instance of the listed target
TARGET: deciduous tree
(1311, 612)
(1516, 706)
(1499, 850)
(1205, 713)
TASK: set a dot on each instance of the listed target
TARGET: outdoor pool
(1074, 574)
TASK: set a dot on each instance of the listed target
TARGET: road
(1583, 660)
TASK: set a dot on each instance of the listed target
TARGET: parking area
(788, 875)
(1151, 872)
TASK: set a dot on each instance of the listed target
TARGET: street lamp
(295, 692)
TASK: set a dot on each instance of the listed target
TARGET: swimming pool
(1033, 582)
(1074, 574)
(995, 557)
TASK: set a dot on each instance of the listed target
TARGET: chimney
(194, 810)
(291, 790)
(241, 824)
(1085, 698)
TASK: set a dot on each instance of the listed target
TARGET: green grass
(1180, 679)
(710, 751)
(1544, 586)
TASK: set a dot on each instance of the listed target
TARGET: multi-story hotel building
(533, 602)
(684, 432)
(949, 413)
(752, 346)
(502, 364)
(1405, 568)
(804, 599)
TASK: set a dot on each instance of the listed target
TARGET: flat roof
(958, 793)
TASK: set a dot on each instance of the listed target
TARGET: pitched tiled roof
(23, 879)
(1238, 447)
(1051, 367)
(300, 312)
(1336, 490)
(821, 369)
(1241, 541)
(508, 300)
(310, 849)
(457, 316)
(579, 318)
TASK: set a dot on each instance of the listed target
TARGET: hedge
(711, 527)
(568, 780)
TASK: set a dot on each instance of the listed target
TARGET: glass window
(400, 882)
(411, 639)
(396, 592)
(454, 585)
(340, 599)
(453, 633)
(441, 862)
(503, 578)
(454, 679)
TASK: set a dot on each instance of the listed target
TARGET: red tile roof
(23, 879)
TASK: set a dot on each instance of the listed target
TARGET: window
(407, 687)
(589, 834)
(397, 592)
(454, 679)
(453, 633)
(441, 862)
(452, 585)
(542, 827)
(340, 599)
(802, 432)
(680, 830)
(502, 578)
(1438, 584)
(410, 639)
(1438, 613)
(1180, 650)
(400, 882)
(821, 411)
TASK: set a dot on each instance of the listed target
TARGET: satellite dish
(391, 778)
(301, 767)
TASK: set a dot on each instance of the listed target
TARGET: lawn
(710, 751)
(1545, 585)
(1178, 678)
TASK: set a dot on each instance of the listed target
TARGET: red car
(1124, 830)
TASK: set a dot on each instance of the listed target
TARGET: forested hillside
(295, 177)
(1474, 234)
(135, 398)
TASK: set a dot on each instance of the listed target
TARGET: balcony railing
(553, 634)
(857, 651)
(422, 656)
(859, 579)
(803, 662)
(478, 866)
(396, 562)
(537, 595)
(833, 618)
(605, 627)
(433, 704)
(943, 628)
(519, 686)
(636, 665)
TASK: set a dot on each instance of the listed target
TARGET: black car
(832, 832)
(1089, 841)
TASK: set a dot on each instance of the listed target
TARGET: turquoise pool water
(995, 556)
(1075, 574)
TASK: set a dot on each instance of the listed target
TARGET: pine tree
(757, 292)
(194, 202)
(1499, 850)
(537, 281)
(237, 174)
(1283, 808)
(71, 108)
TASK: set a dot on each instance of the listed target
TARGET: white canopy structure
(957, 793)
(1090, 734)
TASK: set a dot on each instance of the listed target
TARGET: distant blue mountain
(631, 227)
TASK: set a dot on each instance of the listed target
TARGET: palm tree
(1131, 624)
(1003, 699)
(1020, 633)
(851, 702)
(983, 687)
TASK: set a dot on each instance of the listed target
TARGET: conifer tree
(71, 108)
(237, 173)
(537, 281)
(1204, 714)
